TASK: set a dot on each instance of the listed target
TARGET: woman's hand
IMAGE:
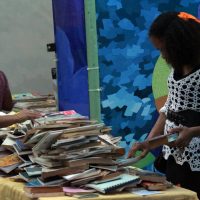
(184, 138)
(143, 146)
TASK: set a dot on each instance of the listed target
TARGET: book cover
(146, 175)
(9, 160)
(155, 186)
(106, 187)
(75, 190)
(90, 160)
(47, 173)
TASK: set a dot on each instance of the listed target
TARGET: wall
(25, 29)
(127, 60)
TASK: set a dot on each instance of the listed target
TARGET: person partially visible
(23, 115)
(6, 102)
(177, 36)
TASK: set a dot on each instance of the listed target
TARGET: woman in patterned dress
(177, 36)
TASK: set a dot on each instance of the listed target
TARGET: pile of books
(65, 153)
(150, 180)
(63, 149)
(42, 103)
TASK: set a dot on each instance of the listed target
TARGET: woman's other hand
(184, 137)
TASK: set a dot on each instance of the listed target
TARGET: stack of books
(34, 102)
(62, 149)
(150, 180)
(65, 153)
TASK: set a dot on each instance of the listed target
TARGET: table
(10, 190)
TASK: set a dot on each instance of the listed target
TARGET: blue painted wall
(127, 60)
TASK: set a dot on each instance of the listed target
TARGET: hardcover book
(47, 173)
(146, 175)
(9, 160)
(156, 186)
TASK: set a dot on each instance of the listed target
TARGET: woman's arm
(157, 130)
(23, 115)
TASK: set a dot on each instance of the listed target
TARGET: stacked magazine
(63, 149)
(42, 103)
(65, 153)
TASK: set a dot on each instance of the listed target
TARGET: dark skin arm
(185, 135)
(22, 116)
(157, 130)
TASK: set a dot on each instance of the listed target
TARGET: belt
(187, 118)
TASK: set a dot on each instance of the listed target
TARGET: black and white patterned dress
(184, 94)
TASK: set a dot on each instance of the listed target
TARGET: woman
(177, 36)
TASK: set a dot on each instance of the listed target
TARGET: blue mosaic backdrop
(127, 60)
